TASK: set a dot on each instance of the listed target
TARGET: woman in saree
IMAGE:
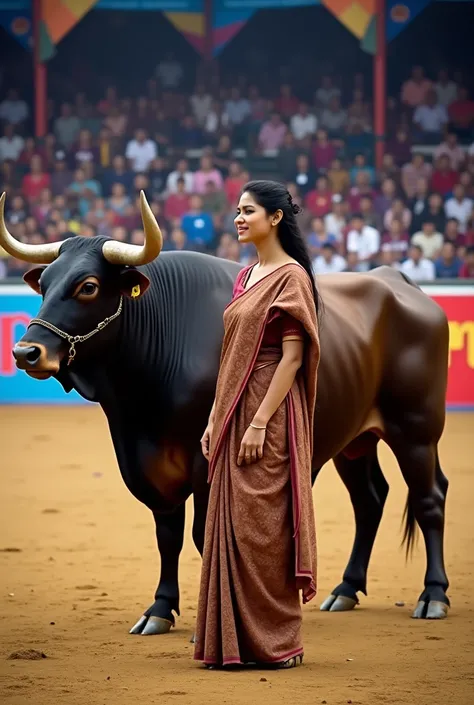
(259, 555)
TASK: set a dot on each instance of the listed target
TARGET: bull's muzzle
(33, 359)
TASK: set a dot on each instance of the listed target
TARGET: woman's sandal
(291, 662)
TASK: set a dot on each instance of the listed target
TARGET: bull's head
(82, 290)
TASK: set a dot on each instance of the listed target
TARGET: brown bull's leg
(427, 486)
(368, 490)
(159, 618)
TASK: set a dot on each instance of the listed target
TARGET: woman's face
(252, 221)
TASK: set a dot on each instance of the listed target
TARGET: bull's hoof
(158, 619)
(342, 599)
(432, 604)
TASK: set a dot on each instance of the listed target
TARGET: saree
(260, 536)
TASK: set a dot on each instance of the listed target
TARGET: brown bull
(382, 375)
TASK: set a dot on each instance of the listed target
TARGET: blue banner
(17, 306)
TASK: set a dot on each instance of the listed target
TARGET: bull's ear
(133, 283)
(32, 278)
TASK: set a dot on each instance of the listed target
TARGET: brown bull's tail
(410, 533)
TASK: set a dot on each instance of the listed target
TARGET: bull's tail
(410, 532)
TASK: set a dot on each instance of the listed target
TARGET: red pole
(380, 83)
(39, 75)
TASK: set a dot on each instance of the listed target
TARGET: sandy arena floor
(78, 565)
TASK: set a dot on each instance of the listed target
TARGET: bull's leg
(427, 487)
(368, 490)
(159, 618)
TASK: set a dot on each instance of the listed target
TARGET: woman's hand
(251, 447)
(206, 440)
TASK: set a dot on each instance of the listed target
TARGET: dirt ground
(78, 565)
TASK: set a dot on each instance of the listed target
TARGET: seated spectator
(287, 156)
(67, 126)
(451, 149)
(429, 239)
(364, 240)
(286, 103)
(334, 118)
(304, 177)
(358, 114)
(34, 182)
(444, 178)
(197, 225)
(216, 120)
(467, 268)
(360, 166)
(237, 108)
(323, 152)
(224, 246)
(361, 189)
(459, 207)
(42, 209)
(416, 88)
(201, 104)
(61, 178)
(326, 92)
(400, 147)
(448, 265)
(383, 200)
(338, 177)
(335, 222)
(416, 169)
(12, 145)
(418, 267)
(388, 258)
(258, 106)
(396, 240)
(158, 175)
(328, 262)
(446, 90)
(86, 189)
(83, 150)
(214, 200)
(419, 203)
(223, 155)
(398, 210)
(303, 123)
(371, 217)
(118, 201)
(234, 183)
(177, 204)
(141, 151)
(461, 115)
(466, 179)
(207, 172)
(430, 118)
(319, 201)
(272, 134)
(182, 171)
(389, 169)
(116, 122)
(352, 260)
(317, 237)
(453, 234)
(178, 240)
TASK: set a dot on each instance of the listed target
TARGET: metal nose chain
(73, 340)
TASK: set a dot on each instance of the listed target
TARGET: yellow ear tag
(136, 291)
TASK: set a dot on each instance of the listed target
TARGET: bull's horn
(123, 253)
(38, 254)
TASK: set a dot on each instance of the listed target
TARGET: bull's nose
(26, 356)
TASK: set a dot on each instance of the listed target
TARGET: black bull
(153, 368)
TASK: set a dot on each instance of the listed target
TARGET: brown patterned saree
(260, 540)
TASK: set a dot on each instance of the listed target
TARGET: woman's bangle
(259, 428)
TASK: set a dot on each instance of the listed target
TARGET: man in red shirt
(36, 181)
(461, 114)
(177, 204)
(323, 152)
(467, 269)
(319, 201)
(444, 179)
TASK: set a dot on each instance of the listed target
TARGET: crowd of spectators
(192, 155)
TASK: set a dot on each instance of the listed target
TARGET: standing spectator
(448, 265)
(67, 126)
(303, 124)
(363, 240)
(329, 262)
(428, 239)
(416, 169)
(198, 225)
(34, 182)
(430, 118)
(272, 134)
(450, 148)
(418, 267)
(11, 144)
(446, 90)
(459, 207)
(181, 172)
(13, 109)
(414, 90)
(141, 151)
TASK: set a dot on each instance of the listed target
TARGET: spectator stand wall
(18, 304)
